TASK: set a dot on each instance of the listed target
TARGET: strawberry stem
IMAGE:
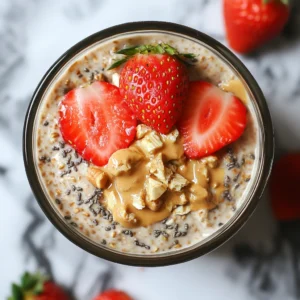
(161, 48)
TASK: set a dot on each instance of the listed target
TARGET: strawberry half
(96, 121)
(211, 119)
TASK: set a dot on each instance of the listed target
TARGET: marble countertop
(258, 263)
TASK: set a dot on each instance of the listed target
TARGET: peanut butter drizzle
(237, 88)
(129, 183)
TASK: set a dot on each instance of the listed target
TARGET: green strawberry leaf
(117, 63)
(187, 58)
(39, 287)
(28, 281)
(17, 293)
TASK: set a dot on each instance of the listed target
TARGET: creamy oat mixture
(198, 197)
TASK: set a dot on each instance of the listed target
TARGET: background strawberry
(113, 295)
(211, 119)
(37, 287)
(96, 121)
(250, 23)
(154, 83)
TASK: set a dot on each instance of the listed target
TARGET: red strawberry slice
(211, 119)
(155, 86)
(96, 121)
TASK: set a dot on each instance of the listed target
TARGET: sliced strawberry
(96, 121)
(284, 188)
(113, 295)
(211, 119)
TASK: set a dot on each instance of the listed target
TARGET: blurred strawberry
(284, 192)
(251, 23)
(37, 287)
(113, 295)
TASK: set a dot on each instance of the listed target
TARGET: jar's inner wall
(65, 188)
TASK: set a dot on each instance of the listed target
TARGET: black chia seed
(95, 222)
(235, 179)
(177, 234)
(46, 123)
(227, 195)
(247, 179)
(237, 186)
(79, 189)
(157, 233)
(220, 224)
(62, 174)
(186, 226)
(74, 224)
(169, 226)
(80, 75)
(165, 234)
(108, 228)
(226, 181)
(86, 70)
(252, 156)
(164, 221)
(67, 217)
(73, 188)
(128, 232)
(55, 148)
(57, 201)
(103, 242)
(76, 154)
(62, 144)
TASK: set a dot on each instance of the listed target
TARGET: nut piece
(172, 136)
(142, 130)
(203, 214)
(127, 217)
(154, 189)
(182, 210)
(181, 200)
(155, 205)
(177, 183)
(138, 200)
(151, 142)
(115, 78)
(158, 169)
(111, 199)
(97, 177)
(123, 160)
(211, 161)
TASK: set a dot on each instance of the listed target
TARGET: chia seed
(108, 228)
(73, 188)
(79, 189)
(46, 123)
(165, 234)
(157, 233)
(86, 70)
(227, 181)
(55, 148)
(235, 179)
(103, 242)
(186, 226)
(62, 174)
(74, 224)
(236, 186)
(95, 222)
(247, 179)
(128, 232)
(67, 217)
(227, 195)
(252, 156)
(62, 144)
(57, 201)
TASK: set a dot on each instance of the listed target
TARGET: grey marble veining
(260, 262)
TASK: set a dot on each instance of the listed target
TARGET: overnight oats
(146, 143)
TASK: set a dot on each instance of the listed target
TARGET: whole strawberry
(251, 23)
(37, 287)
(154, 83)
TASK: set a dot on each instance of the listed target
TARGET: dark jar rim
(147, 260)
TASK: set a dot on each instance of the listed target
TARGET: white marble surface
(256, 264)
